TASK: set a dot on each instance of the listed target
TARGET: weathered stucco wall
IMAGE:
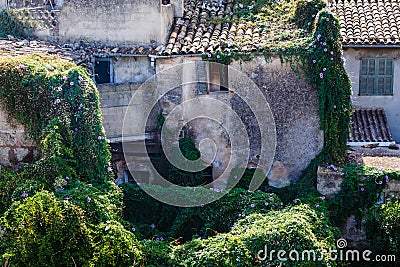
(293, 103)
(15, 147)
(132, 69)
(115, 99)
(118, 21)
(391, 104)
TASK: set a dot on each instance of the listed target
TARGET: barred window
(376, 76)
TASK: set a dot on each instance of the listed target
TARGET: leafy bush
(156, 253)
(99, 204)
(142, 210)
(360, 190)
(383, 228)
(293, 228)
(42, 231)
(114, 246)
(9, 25)
(59, 105)
(244, 176)
(219, 216)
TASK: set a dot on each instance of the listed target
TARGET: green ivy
(316, 51)
(383, 229)
(297, 228)
(360, 190)
(326, 71)
(59, 104)
(9, 25)
(62, 209)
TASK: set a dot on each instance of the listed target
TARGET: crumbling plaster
(294, 105)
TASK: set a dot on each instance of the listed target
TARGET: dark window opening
(102, 70)
(217, 77)
(211, 77)
(224, 78)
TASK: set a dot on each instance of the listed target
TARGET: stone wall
(132, 69)
(293, 103)
(117, 22)
(115, 99)
(389, 103)
(15, 147)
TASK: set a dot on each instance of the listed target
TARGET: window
(376, 76)
(217, 77)
(211, 77)
(103, 70)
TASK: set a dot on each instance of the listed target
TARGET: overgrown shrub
(9, 25)
(383, 228)
(156, 253)
(114, 246)
(58, 104)
(360, 190)
(43, 231)
(219, 216)
(293, 228)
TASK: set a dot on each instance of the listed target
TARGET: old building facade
(126, 46)
(371, 48)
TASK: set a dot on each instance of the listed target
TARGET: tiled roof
(368, 21)
(370, 126)
(76, 51)
(213, 26)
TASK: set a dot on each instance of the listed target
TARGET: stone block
(329, 181)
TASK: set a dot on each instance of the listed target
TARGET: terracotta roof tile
(75, 51)
(370, 125)
(368, 21)
(203, 29)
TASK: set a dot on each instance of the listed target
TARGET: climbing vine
(327, 73)
(9, 25)
(66, 199)
(59, 105)
(315, 48)
(360, 190)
